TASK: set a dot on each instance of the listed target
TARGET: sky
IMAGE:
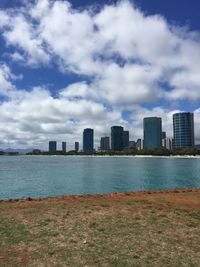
(66, 66)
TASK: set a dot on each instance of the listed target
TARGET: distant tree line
(160, 151)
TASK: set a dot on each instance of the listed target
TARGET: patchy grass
(160, 229)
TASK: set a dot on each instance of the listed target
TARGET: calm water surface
(43, 176)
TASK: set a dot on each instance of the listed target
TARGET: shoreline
(100, 196)
(110, 156)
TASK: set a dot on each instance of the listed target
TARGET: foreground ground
(136, 229)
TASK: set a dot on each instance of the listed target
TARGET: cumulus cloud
(6, 77)
(127, 85)
(127, 59)
(91, 43)
(18, 32)
(37, 114)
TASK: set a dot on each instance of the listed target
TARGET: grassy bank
(137, 229)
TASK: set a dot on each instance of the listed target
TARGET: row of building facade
(53, 146)
(154, 137)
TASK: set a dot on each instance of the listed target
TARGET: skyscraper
(117, 138)
(125, 139)
(64, 147)
(164, 135)
(131, 145)
(152, 132)
(52, 146)
(76, 146)
(88, 140)
(183, 128)
(140, 144)
(105, 143)
(168, 143)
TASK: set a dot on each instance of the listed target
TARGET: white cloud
(6, 86)
(128, 84)
(134, 35)
(40, 8)
(17, 57)
(87, 43)
(4, 19)
(20, 33)
(128, 58)
(37, 115)
(76, 91)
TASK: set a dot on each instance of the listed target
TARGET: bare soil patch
(160, 228)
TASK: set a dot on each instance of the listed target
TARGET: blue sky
(66, 66)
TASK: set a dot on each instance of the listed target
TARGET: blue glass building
(76, 146)
(105, 143)
(117, 143)
(88, 140)
(52, 146)
(164, 135)
(183, 129)
(64, 147)
(152, 127)
(125, 139)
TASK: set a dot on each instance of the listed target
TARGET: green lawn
(160, 229)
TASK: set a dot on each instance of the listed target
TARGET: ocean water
(43, 176)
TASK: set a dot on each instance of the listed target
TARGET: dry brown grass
(159, 229)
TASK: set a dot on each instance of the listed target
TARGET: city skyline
(68, 66)
(153, 136)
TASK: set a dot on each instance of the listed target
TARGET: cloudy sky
(66, 66)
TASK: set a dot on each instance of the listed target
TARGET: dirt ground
(153, 228)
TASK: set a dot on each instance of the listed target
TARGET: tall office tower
(117, 138)
(139, 144)
(52, 146)
(131, 145)
(152, 132)
(88, 140)
(163, 135)
(76, 146)
(64, 147)
(164, 142)
(105, 143)
(183, 128)
(168, 143)
(164, 139)
(125, 139)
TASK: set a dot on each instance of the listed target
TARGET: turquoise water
(43, 176)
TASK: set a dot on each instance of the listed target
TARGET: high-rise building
(88, 140)
(139, 144)
(117, 138)
(76, 146)
(125, 139)
(168, 143)
(164, 139)
(105, 143)
(131, 145)
(152, 132)
(183, 128)
(164, 142)
(64, 147)
(163, 135)
(52, 146)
